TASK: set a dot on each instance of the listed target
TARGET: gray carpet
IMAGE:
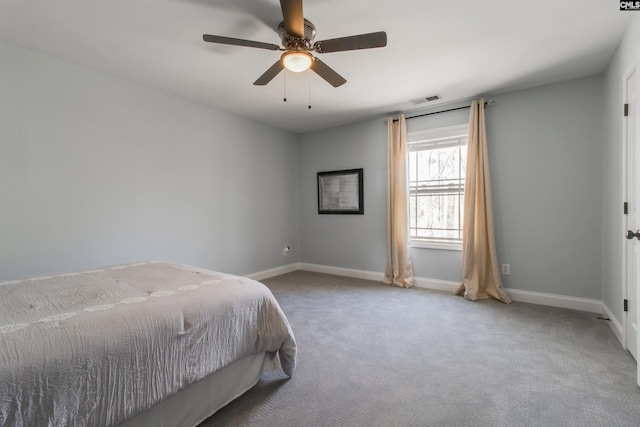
(373, 355)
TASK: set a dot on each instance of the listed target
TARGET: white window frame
(414, 140)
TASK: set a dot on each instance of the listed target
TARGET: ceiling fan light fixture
(297, 60)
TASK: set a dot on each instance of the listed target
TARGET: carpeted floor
(373, 355)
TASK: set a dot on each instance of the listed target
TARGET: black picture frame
(341, 192)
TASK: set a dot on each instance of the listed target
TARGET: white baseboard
(339, 271)
(436, 284)
(272, 272)
(614, 324)
(552, 300)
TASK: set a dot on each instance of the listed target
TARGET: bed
(155, 343)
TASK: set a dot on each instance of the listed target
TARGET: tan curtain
(481, 276)
(399, 270)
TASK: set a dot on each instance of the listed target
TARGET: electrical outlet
(506, 269)
(286, 250)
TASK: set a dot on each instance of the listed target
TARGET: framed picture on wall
(341, 192)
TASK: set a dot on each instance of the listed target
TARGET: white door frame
(628, 259)
(631, 258)
(636, 116)
(626, 223)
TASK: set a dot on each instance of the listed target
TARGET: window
(437, 165)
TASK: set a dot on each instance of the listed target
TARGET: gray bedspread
(98, 347)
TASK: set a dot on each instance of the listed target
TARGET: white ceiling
(455, 48)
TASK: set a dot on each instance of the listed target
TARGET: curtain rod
(489, 102)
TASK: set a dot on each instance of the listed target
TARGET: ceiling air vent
(426, 99)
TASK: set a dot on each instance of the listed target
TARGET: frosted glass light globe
(297, 61)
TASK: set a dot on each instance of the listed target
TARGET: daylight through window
(437, 165)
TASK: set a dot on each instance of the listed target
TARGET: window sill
(435, 244)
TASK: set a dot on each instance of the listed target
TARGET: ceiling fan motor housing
(297, 43)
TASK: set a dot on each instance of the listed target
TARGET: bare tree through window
(437, 166)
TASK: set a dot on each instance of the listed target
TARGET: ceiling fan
(297, 35)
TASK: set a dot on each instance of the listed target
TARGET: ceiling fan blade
(269, 74)
(239, 42)
(327, 73)
(362, 41)
(293, 17)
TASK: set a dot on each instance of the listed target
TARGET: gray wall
(546, 158)
(545, 153)
(359, 241)
(97, 171)
(349, 241)
(613, 168)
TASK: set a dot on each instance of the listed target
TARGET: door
(633, 217)
(633, 127)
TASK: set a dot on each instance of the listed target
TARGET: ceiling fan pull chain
(284, 74)
(309, 93)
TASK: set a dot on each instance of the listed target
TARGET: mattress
(99, 347)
